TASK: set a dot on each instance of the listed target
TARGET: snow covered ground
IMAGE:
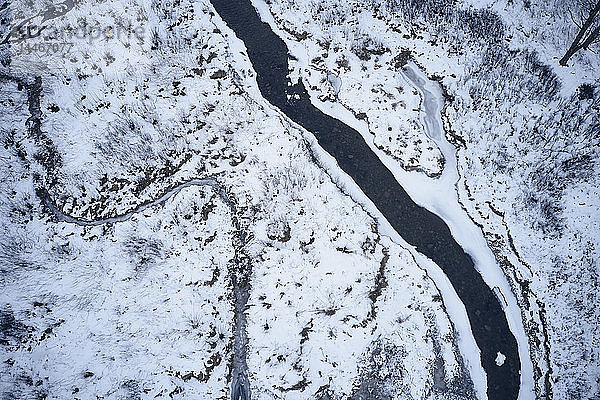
(142, 306)
(527, 136)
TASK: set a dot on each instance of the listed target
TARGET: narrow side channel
(419, 227)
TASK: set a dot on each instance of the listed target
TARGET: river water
(417, 226)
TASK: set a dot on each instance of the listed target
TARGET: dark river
(419, 227)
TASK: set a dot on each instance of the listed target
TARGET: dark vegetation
(11, 331)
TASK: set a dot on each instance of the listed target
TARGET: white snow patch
(500, 359)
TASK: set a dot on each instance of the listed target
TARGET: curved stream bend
(418, 226)
(62, 217)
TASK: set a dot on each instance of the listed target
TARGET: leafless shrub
(16, 253)
(144, 253)
(364, 46)
(289, 180)
(279, 229)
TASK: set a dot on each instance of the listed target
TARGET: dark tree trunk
(572, 50)
(581, 41)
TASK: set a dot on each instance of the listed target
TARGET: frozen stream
(430, 106)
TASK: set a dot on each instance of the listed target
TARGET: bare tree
(589, 32)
